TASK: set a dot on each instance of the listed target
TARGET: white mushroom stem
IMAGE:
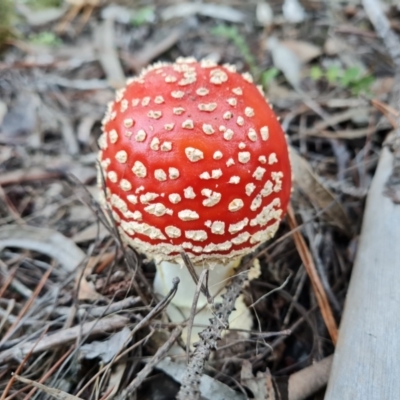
(180, 306)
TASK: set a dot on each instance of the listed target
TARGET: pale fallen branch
(366, 358)
(108, 55)
(309, 380)
(64, 336)
(56, 393)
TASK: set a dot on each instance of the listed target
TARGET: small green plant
(232, 33)
(42, 4)
(351, 78)
(46, 38)
(142, 16)
(268, 76)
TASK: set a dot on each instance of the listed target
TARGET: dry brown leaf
(260, 385)
(305, 51)
(87, 290)
(309, 183)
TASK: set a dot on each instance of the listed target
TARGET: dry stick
(49, 373)
(142, 375)
(102, 311)
(209, 337)
(20, 366)
(203, 275)
(156, 310)
(64, 336)
(190, 267)
(309, 265)
(106, 367)
(56, 393)
(309, 380)
(8, 280)
(382, 27)
(27, 305)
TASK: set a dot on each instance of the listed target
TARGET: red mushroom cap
(194, 159)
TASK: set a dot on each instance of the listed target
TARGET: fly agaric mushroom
(194, 159)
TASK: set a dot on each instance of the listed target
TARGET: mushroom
(194, 159)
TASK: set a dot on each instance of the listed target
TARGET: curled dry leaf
(260, 385)
(42, 240)
(264, 14)
(305, 51)
(293, 11)
(106, 350)
(286, 61)
(309, 183)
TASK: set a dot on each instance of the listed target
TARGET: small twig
(102, 311)
(26, 307)
(306, 382)
(272, 291)
(209, 337)
(57, 393)
(20, 366)
(49, 372)
(64, 336)
(142, 375)
(203, 275)
(156, 310)
(309, 265)
(381, 24)
(189, 265)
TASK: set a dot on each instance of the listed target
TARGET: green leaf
(269, 75)
(363, 85)
(350, 75)
(316, 73)
(46, 38)
(43, 4)
(142, 15)
(333, 73)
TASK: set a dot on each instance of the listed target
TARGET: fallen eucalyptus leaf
(285, 60)
(310, 184)
(43, 240)
(106, 349)
(260, 385)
